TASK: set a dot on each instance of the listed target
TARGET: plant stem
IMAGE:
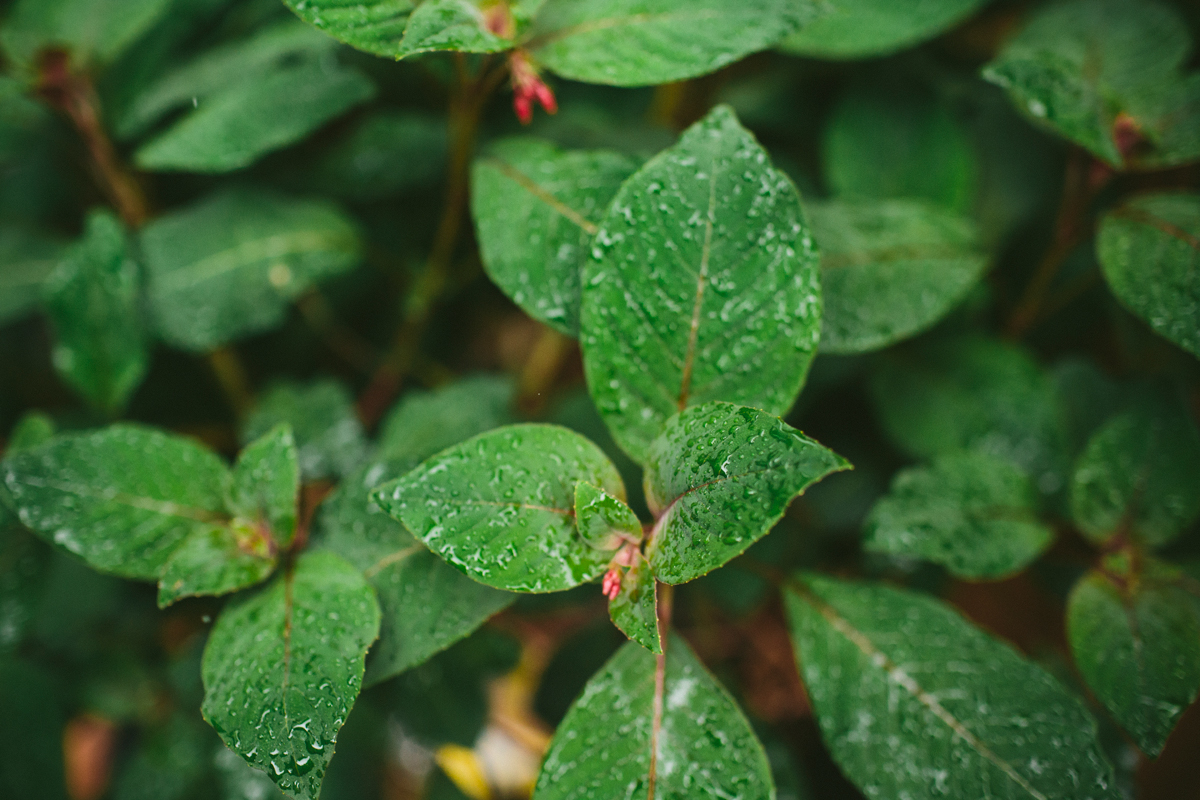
(230, 373)
(665, 601)
(341, 340)
(541, 368)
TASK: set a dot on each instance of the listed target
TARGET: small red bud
(528, 87)
(612, 583)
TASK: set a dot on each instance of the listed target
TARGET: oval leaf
(635, 608)
(862, 28)
(604, 521)
(376, 26)
(266, 486)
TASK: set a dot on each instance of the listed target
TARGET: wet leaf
(1149, 250)
(604, 521)
(216, 561)
(717, 479)
(536, 210)
(608, 745)
(635, 608)
(228, 266)
(501, 506)
(1108, 75)
(424, 422)
(122, 498)
(266, 484)
(1138, 475)
(1137, 643)
(958, 713)
(235, 127)
(459, 25)
(974, 514)
(94, 304)
(26, 260)
(283, 667)
(864, 28)
(645, 42)
(703, 286)
(375, 26)
(890, 269)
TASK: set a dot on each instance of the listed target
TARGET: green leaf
(717, 479)
(610, 746)
(501, 506)
(240, 781)
(974, 394)
(536, 211)
(973, 513)
(31, 733)
(1053, 73)
(890, 269)
(914, 701)
(31, 430)
(386, 154)
(283, 667)
(646, 42)
(26, 259)
(635, 608)
(704, 286)
(1149, 250)
(1138, 475)
(864, 28)
(93, 301)
(91, 30)
(424, 422)
(889, 138)
(375, 26)
(266, 484)
(170, 759)
(216, 561)
(219, 68)
(1136, 640)
(23, 568)
(604, 521)
(235, 127)
(330, 439)
(228, 266)
(459, 25)
(122, 498)
(426, 604)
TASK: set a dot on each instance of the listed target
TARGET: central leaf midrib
(544, 195)
(685, 382)
(166, 508)
(243, 255)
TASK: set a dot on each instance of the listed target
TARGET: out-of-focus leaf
(90, 30)
(536, 210)
(93, 301)
(424, 422)
(704, 286)
(646, 42)
(169, 762)
(31, 733)
(1136, 640)
(890, 269)
(972, 513)
(386, 154)
(283, 667)
(228, 266)
(1107, 74)
(328, 435)
(500, 507)
(864, 28)
(1138, 475)
(235, 127)
(1149, 250)
(635, 608)
(26, 260)
(718, 478)
(23, 568)
(376, 26)
(957, 713)
(610, 746)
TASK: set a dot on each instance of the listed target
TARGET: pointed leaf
(94, 304)
(426, 604)
(610, 746)
(704, 286)
(26, 260)
(460, 25)
(913, 701)
(122, 498)
(501, 506)
(890, 269)
(863, 28)
(604, 521)
(266, 485)
(536, 210)
(375, 26)
(645, 42)
(217, 561)
(423, 423)
(283, 667)
(974, 514)
(635, 608)
(718, 478)
(1138, 475)
(235, 127)
(1149, 250)
(228, 266)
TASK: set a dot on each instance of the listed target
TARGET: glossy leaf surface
(704, 286)
(93, 301)
(958, 713)
(890, 269)
(604, 521)
(329, 437)
(717, 479)
(265, 485)
(536, 210)
(608, 745)
(283, 667)
(216, 561)
(376, 26)
(864, 28)
(501, 506)
(228, 266)
(458, 25)
(1149, 250)
(972, 513)
(635, 608)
